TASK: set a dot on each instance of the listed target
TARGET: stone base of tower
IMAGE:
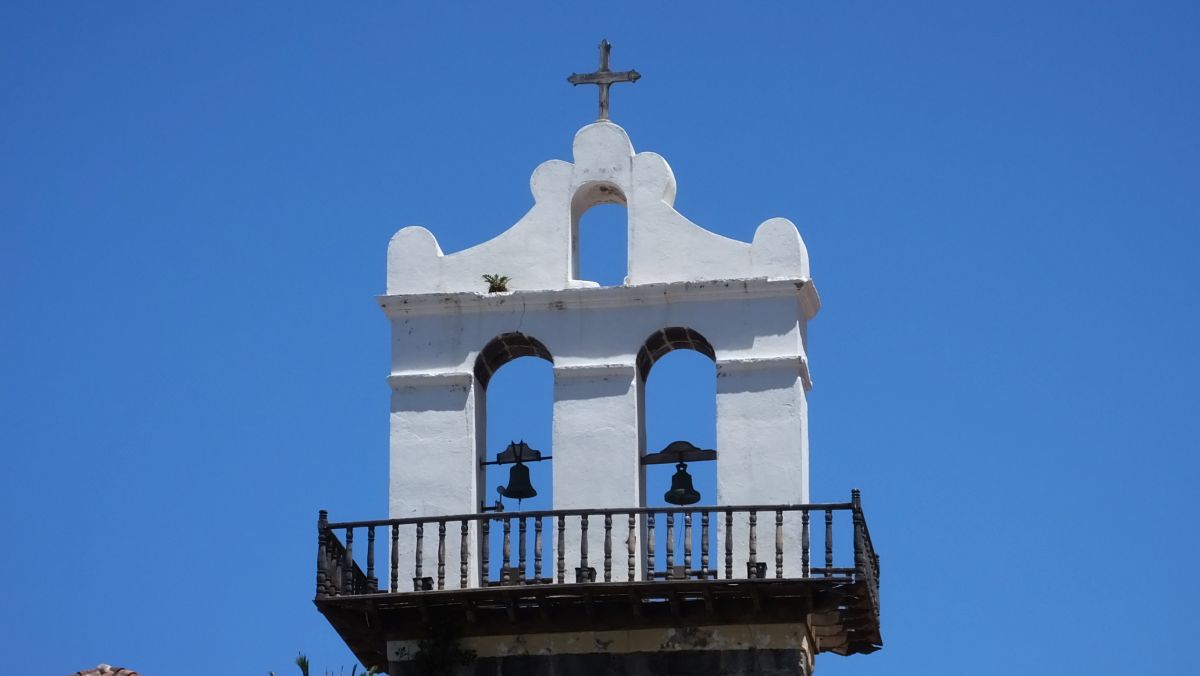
(734, 650)
(691, 663)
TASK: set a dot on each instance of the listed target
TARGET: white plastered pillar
(436, 423)
(762, 438)
(596, 462)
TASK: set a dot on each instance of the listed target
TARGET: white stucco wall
(596, 436)
(751, 301)
(435, 425)
(762, 433)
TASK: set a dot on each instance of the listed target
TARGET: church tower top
(604, 579)
(540, 252)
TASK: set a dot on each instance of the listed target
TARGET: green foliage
(497, 283)
(302, 662)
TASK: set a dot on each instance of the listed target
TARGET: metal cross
(604, 77)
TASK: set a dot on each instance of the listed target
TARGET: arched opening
(666, 340)
(599, 235)
(503, 349)
(516, 374)
(678, 370)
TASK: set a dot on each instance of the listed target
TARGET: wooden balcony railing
(635, 545)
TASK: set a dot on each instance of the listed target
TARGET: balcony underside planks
(840, 610)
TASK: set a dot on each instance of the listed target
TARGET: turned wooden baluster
(687, 544)
(670, 544)
(441, 569)
(521, 527)
(828, 542)
(704, 545)
(394, 559)
(562, 549)
(860, 559)
(372, 583)
(779, 544)
(463, 550)
(322, 556)
(753, 538)
(650, 519)
(338, 563)
(804, 543)
(608, 547)
(348, 566)
(420, 547)
(506, 561)
(729, 544)
(537, 550)
(485, 550)
(631, 544)
(583, 541)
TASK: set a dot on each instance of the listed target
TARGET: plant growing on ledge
(497, 283)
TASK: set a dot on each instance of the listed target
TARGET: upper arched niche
(537, 252)
(505, 348)
(592, 193)
(671, 338)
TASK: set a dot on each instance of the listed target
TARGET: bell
(682, 492)
(519, 486)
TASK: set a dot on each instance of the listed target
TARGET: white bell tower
(759, 583)
(744, 305)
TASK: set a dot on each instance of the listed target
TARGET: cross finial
(603, 78)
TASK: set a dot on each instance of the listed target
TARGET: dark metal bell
(682, 492)
(519, 487)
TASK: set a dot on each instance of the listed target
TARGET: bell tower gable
(540, 252)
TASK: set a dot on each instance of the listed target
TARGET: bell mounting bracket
(679, 451)
(517, 451)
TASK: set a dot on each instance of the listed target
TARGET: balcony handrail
(685, 559)
(544, 513)
(339, 573)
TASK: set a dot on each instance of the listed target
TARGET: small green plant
(302, 662)
(497, 283)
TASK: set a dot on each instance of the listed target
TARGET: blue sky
(1001, 203)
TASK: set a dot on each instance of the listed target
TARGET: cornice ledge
(810, 300)
(420, 380)
(594, 370)
(798, 362)
(607, 296)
